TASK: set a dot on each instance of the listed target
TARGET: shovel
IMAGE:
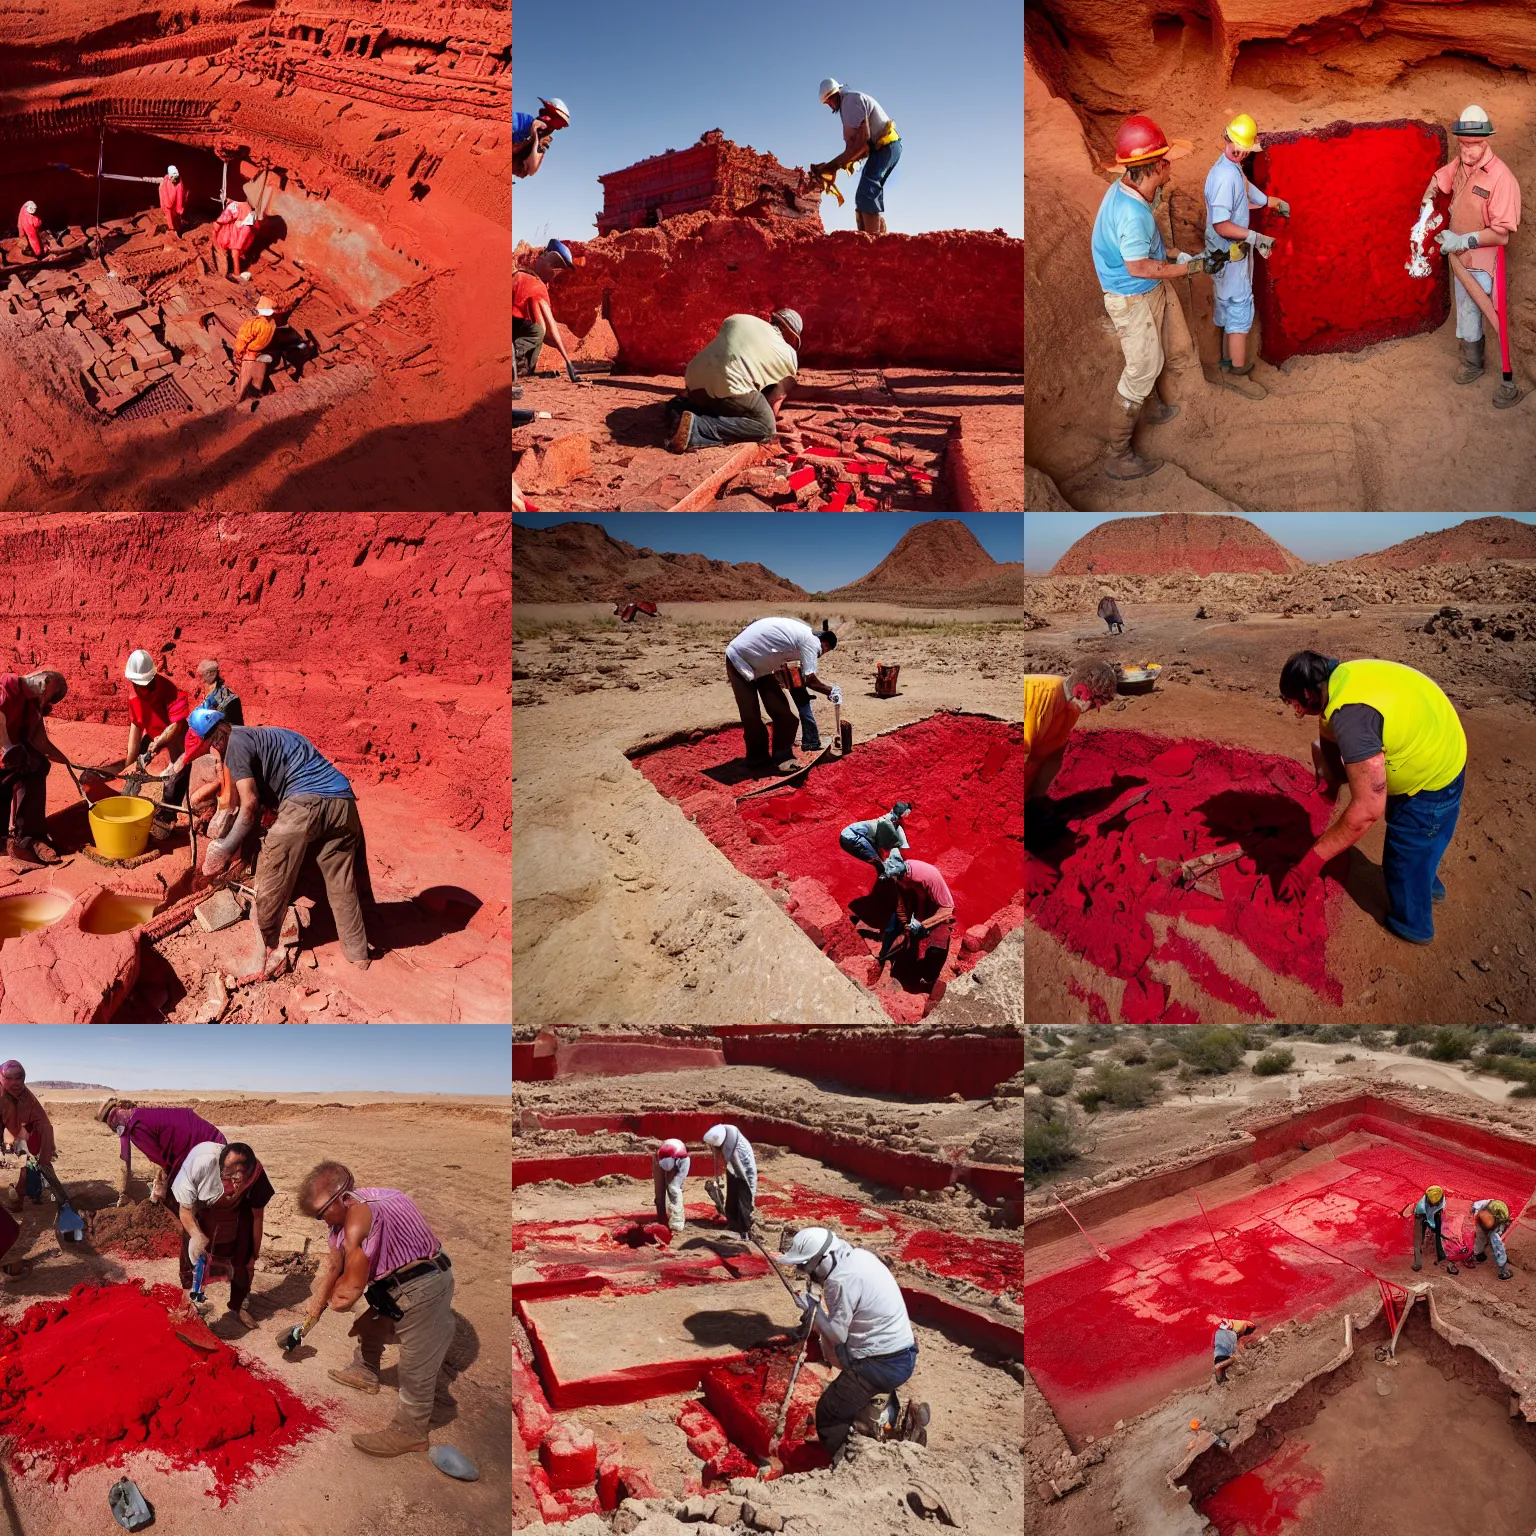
(791, 778)
(190, 1327)
(69, 1226)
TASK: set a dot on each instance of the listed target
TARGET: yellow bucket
(120, 826)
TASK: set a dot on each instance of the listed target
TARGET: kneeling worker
(863, 1325)
(738, 382)
(875, 841)
(1228, 1331)
(533, 320)
(669, 1172)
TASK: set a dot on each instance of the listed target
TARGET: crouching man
(669, 1173)
(737, 383)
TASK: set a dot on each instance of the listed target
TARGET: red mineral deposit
(746, 1395)
(1268, 1501)
(1175, 541)
(1095, 888)
(569, 1455)
(1364, 177)
(144, 1231)
(89, 1380)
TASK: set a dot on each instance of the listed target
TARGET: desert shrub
(1516, 1069)
(1079, 1051)
(1047, 1138)
(1211, 1050)
(1133, 1053)
(1501, 1042)
(1372, 1039)
(1053, 1077)
(1272, 1063)
(1528, 1048)
(1164, 1058)
(1333, 1034)
(1411, 1034)
(1123, 1087)
(1451, 1045)
(1347, 1056)
(1419, 1048)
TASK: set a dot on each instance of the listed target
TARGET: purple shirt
(399, 1234)
(165, 1136)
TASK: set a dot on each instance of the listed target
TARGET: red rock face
(1369, 178)
(1479, 538)
(1201, 542)
(953, 299)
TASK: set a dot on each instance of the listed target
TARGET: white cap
(140, 668)
(808, 1243)
(171, 170)
(30, 206)
(791, 318)
(264, 309)
(672, 1147)
(828, 87)
(715, 1136)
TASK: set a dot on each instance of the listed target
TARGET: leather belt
(398, 1277)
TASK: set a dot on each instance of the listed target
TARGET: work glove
(1263, 244)
(1281, 207)
(836, 694)
(803, 1301)
(197, 1246)
(1449, 242)
(215, 863)
(1299, 877)
(570, 372)
(915, 926)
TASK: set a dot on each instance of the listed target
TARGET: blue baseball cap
(562, 250)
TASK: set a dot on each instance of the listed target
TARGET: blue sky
(641, 79)
(817, 551)
(319, 1058)
(1317, 536)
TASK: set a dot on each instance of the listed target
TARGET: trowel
(69, 1226)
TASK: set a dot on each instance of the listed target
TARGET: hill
(1479, 538)
(940, 562)
(581, 563)
(1198, 542)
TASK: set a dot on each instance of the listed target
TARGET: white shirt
(747, 354)
(766, 644)
(857, 108)
(863, 1307)
(199, 1180)
(674, 1170)
(737, 1152)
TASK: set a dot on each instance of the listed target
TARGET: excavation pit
(1299, 1218)
(962, 775)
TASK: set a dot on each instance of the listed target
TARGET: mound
(1479, 538)
(580, 563)
(940, 559)
(1199, 542)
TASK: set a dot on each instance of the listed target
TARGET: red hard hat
(1140, 140)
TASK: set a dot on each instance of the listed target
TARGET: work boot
(1506, 395)
(1471, 361)
(1506, 1273)
(678, 442)
(1238, 379)
(1124, 462)
(393, 1440)
(1451, 1269)
(1155, 412)
(356, 1376)
(914, 1423)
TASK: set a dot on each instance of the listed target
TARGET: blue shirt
(1124, 230)
(282, 763)
(522, 126)
(1433, 1214)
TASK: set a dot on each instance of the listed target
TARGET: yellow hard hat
(1243, 131)
(1434, 1194)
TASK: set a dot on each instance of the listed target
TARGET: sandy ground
(1380, 429)
(1232, 694)
(431, 971)
(440, 1152)
(618, 905)
(1126, 1472)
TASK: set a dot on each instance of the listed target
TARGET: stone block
(813, 908)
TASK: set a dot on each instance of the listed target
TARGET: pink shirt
(27, 226)
(19, 707)
(173, 195)
(399, 1234)
(932, 892)
(1489, 200)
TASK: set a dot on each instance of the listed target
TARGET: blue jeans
(1419, 828)
(870, 198)
(809, 737)
(1469, 318)
(860, 846)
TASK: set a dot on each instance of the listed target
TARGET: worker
(173, 199)
(861, 1319)
(221, 1193)
(30, 1134)
(26, 700)
(251, 349)
(1228, 1331)
(925, 909)
(165, 1135)
(157, 720)
(751, 660)
(875, 841)
(280, 770)
(1052, 707)
(867, 130)
(733, 1157)
(1131, 261)
(531, 135)
(1228, 197)
(381, 1249)
(234, 233)
(669, 1169)
(1491, 1219)
(1429, 1215)
(30, 228)
(1109, 611)
(1484, 213)
(533, 320)
(737, 383)
(219, 696)
(1395, 737)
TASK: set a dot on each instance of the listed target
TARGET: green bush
(1047, 1139)
(1515, 1068)
(1211, 1050)
(1133, 1053)
(1528, 1048)
(1053, 1077)
(1451, 1045)
(1079, 1051)
(1272, 1063)
(1411, 1034)
(1164, 1058)
(1371, 1039)
(1125, 1087)
(1332, 1034)
(1501, 1042)
(1348, 1056)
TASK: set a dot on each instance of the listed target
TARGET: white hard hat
(263, 309)
(140, 668)
(715, 1136)
(1473, 123)
(809, 1244)
(171, 170)
(30, 206)
(828, 87)
(672, 1147)
(556, 105)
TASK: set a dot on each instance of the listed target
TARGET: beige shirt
(747, 354)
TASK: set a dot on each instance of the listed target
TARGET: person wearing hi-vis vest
(1484, 213)
(867, 130)
(1395, 738)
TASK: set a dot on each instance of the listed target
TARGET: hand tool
(790, 778)
(200, 1302)
(1124, 803)
(1192, 871)
(772, 1264)
(70, 1227)
(794, 1375)
(290, 1338)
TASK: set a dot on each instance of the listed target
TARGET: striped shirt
(398, 1236)
(737, 1151)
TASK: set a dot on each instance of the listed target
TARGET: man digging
(751, 660)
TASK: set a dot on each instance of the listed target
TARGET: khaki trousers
(331, 824)
(1153, 334)
(423, 1334)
